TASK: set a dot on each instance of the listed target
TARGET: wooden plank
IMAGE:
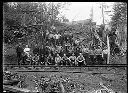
(16, 89)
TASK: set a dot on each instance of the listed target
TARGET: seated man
(65, 60)
(50, 60)
(72, 59)
(35, 59)
(81, 60)
(57, 60)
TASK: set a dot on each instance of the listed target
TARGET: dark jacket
(19, 49)
(36, 50)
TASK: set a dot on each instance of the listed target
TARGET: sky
(82, 10)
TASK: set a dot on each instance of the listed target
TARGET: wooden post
(108, 46)
(103, 12)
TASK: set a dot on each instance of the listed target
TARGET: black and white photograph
(43, 41)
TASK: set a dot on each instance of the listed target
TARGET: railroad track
(39, 68)
(64, 70)
(108, 65)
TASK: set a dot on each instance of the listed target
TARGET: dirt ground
(113, 78)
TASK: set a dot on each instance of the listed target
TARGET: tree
(63, 19)
(119, 24)
(118, 34)
(120, 15)
(32, 13)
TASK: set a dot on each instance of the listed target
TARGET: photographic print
(64, 47)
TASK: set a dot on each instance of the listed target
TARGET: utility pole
(108, 45)
(3, 19)
(52, 14)
(91, 15)
(102, 6)
(24, 18)
(103, 22)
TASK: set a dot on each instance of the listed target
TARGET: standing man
(26, 53)
(91, 57)
(57, 37)
(36, 50)
(42, 59)
(70, 50)
(99, 59)
(42, 55)
(27, 50)
(59, 49)
(86, 55)
(19, 51)
(67, 45)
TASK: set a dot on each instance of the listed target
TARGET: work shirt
(35, 58)
(59, 48)
(51, 35)
(36, 50)
(57, 36)
(65, 58)
(72, 59)
(80, 59)
(27, 51)
(19, 49)
(70, 49)
(57, 59)
(85, 50)
(105, 51)
(50, 59)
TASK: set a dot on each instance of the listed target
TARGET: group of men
(58, 50)
(47, 58)
(56, 56)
